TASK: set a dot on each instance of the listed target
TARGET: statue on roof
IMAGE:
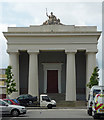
(52, 20)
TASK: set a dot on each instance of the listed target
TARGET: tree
(94, 80)
(10, 82)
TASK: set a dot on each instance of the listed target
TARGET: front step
(71, 104)
(57, 96)
(60, 100)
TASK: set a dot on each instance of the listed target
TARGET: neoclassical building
(53, 58)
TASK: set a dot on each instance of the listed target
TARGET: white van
(98, 106)
(94, 90)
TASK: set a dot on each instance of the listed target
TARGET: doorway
(52, 81)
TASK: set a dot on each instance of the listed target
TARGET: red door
(52, 81)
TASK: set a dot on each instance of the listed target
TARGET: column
(70, 77)
(33, 74)
(14, 62)
(90, 65)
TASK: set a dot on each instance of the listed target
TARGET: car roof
(24, 94)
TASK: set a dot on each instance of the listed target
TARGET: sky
(24, 14)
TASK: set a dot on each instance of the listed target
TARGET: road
(53, 113)
(58, 113)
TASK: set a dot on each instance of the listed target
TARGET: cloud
(3, 45)
(34, 13)
(68, 13)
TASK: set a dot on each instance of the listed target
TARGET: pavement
(78, 107)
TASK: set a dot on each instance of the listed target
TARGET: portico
(38, 52)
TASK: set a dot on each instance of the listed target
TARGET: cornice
(46, 34)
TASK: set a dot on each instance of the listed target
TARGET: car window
(30, 96)
(25, 96)
(8, 101)
(96, 92)
(2, 103)
(20, 97)
(89, 97)
(46, 98)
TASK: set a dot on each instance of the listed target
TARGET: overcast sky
(24, 14)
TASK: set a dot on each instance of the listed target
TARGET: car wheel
(89, 112)
(95, 116)
(15, 113)
(30, 102)
(49, 106)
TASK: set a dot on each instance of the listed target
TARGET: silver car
(14, 110)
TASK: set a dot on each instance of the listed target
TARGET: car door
(45, 100)
(4, 109)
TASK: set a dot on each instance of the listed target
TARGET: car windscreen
(2, 103)
(46, 98)
(8, 101)
(96, 91)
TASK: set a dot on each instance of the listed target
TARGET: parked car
(11, 101)
(26, 99)
(94, 90)
(43, 101)
(16, 101)
(98, 106)
(14, 110)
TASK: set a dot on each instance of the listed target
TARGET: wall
(81, 75)
(23, 71)
(52, 57)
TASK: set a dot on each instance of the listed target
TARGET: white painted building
(53, 58)
(2, 83)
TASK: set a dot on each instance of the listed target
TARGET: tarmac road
(74, 114)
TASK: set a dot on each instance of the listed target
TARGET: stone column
(33, 74)
(14, 62)
(90, 65)
(70, 77)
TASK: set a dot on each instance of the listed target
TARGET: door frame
(52, 66)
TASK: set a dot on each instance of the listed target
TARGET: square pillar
(14, 62)
(70, 77)
(33, 74)
(90, 65)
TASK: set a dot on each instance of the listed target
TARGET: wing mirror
(6, 105)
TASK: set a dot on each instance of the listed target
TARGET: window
(21, 97)
(25, 96)
(10, 102)
(95, 92)
(46, 98)
(2, 103)
(29, 96)
(89, 97)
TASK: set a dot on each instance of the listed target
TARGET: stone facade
(68, 49)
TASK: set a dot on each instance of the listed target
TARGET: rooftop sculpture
(52, 20)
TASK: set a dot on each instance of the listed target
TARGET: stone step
(57, 96)
(60, 99)
(71, 104)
